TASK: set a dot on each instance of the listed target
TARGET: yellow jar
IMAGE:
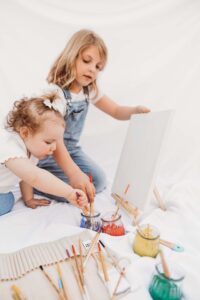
(146, 242)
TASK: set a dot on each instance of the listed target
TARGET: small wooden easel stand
(131, 209)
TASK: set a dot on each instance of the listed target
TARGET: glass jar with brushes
(167, 288)
(91, 221)
(112, 224)
(146, 242)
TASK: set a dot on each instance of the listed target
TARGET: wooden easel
(131, 209)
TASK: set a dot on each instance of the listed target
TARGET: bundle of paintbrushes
(76, 267)
(63, 270)
(89, 218)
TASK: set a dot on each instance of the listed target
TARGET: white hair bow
(56, 104)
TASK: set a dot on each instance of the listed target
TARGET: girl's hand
(81, 181)
(141, 109)
(34, 203)
(78, 198)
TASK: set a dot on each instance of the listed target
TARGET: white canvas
(140, 156)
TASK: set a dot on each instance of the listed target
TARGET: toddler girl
(34, 128)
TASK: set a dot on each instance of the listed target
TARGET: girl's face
(88, 66)
(43, 143)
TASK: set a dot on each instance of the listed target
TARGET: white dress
(11, 146)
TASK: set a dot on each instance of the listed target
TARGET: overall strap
(68, 97)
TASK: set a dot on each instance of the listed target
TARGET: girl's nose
(92, 68)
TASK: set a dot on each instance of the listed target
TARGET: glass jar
(91, 222)
(112, 224)
(146, 242)
(164, 288)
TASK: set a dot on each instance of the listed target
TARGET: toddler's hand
(34, 203)
(78, 198)
(141, 110)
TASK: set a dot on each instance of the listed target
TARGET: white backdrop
(154, 59)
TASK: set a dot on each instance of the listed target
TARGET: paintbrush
(113, 259)
(75, 274)
(172, 246)
(59, 292)
(93, 244)
(125, 192)
(81, 254)
(80, 274)
(103, 264)
(62, 285)
(17, 293)
(82, 288)
(91, 203)
(164, 265)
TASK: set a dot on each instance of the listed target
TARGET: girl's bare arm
(119, 112)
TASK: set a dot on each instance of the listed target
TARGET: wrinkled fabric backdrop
(153, 60)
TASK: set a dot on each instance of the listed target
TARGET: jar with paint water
(164, 288)
(112, 224)
(92, 222)
(146, 242)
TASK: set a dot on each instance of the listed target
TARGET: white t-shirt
(11, 146)
(77, 97)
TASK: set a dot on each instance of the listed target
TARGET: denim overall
(6, 202)
(75, 119)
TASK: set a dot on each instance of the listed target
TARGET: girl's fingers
(90, 192)
(33, 203)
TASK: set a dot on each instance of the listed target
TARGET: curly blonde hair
(32, 112)
(63, 71)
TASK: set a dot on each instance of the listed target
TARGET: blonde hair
(63, 71)
(32, 112)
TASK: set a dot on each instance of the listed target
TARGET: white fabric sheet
(153, 60)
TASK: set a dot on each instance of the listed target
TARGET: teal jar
(163, 288)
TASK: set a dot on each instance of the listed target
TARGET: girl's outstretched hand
(141, 109)
(78, 198)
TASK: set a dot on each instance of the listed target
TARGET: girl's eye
(86, 61)
(48, 143)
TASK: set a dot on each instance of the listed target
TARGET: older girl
(75, 74)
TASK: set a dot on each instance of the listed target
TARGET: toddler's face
(43, 143)
(88, 65)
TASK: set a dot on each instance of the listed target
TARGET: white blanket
(179, 224)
